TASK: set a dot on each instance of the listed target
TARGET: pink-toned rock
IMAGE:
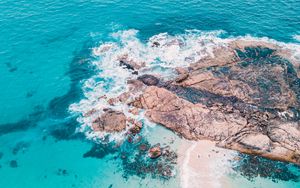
(246, 97)
(232, 130)
(136, 126)
(154, 152)
(134, 111)
(110, 121)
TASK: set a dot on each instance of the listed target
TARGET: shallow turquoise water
(44, 45)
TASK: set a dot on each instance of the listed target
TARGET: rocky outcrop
(110, 121)
(260, 133)
(247, 100)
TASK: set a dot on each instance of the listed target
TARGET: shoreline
(202, 164)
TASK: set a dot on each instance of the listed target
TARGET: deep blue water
(45, 50)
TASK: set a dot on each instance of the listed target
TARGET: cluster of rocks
(246, 98)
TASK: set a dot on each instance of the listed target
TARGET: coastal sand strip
(203, 165)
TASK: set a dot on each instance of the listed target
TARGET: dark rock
(149, 80)
(125, 64)
(155, 44)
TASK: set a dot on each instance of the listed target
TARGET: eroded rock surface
(246, 99)
(110, 121)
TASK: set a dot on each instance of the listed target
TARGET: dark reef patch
(65, 130)
(100, 150)
(79, 69)
(136, 162)
(20, 146)
(251, 166)
(10, 67)
(25, 124)
(13, 164)
(30, 94)
(133, 154)
(62, 172)
(1, 155)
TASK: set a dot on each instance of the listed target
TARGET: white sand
(203, 165)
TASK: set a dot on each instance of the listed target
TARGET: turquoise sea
(49, 63)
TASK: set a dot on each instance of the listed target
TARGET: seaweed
(251, 166)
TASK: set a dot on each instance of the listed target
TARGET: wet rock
(126, 65)
(110, 121)
(155, 44)
(154, 152)
(136, 127)
(181, 77)
(130, 64)
(149, 80)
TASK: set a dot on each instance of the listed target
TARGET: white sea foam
(297, 37)
(159, 55)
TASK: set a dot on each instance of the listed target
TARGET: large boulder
(110, 121)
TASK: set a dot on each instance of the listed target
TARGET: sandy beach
(203, 165)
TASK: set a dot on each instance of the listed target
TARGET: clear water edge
(40, 39)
